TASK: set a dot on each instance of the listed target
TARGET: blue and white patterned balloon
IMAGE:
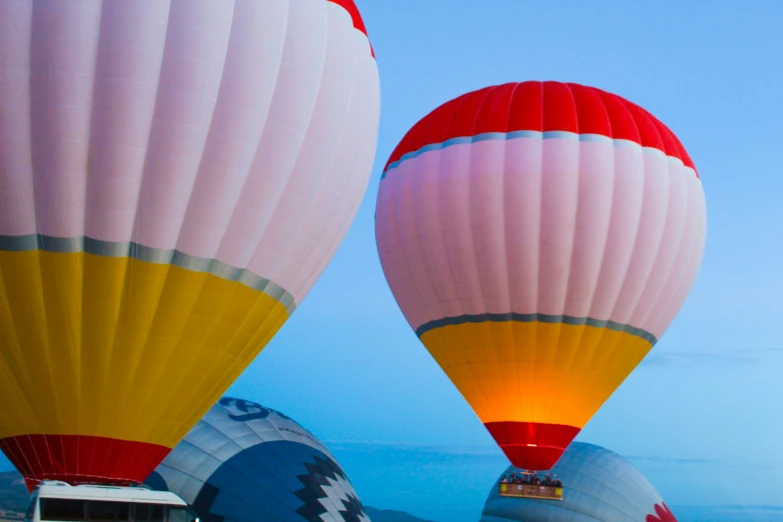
(245, 462)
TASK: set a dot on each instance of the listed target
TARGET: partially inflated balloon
(599, 486)
(539, 238)
(244, 462)
(174, 176)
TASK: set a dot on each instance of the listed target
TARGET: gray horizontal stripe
(487, 136)
(18, 243)
(159, 256)
(542, 318)
(41, 242)
(105, 248)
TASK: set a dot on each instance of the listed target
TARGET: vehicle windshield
(181, 514)
(63, 509)
(73, 510)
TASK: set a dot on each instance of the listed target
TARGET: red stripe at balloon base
(79, 459)
(534, 446)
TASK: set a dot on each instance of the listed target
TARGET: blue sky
(702, 416)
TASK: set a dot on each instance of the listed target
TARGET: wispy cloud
(729, 512)
(657, 459)
(476, 450)
(691, 358)
(746, 508)
(672, 460)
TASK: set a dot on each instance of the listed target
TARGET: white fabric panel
(242, 131)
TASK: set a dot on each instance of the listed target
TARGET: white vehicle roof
(56, 489)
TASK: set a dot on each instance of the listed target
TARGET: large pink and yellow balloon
(174, 176)
(539, 237)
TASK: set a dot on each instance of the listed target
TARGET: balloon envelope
(174, 176)
(598, 485)
(244, 462)
(539, 238)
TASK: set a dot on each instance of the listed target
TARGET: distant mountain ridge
(14, 497)
(13, 492)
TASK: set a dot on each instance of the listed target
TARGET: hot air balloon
(174, 177)
(539, 238)
(245, 462)
(599, 484)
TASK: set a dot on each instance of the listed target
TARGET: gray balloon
(598, 485)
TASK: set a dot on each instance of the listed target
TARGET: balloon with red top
(539, 238)
(175, 175)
